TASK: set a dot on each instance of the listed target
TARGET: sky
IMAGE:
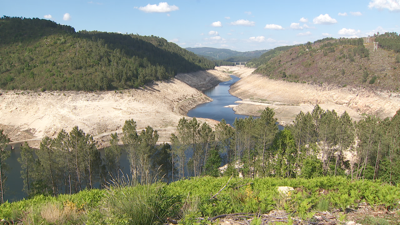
(237, 25)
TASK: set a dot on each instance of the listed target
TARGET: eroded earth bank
(30, 116)
(288, 99)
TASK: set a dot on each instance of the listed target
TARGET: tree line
(316, 144)
(389, 41)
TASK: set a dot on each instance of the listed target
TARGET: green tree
(50, 168)
(112, 156)
(146, 148)
(4, 154)
(213, 163)
(27, 161)
(345, 135)
(162, 162)
(130, 138)
(311, 168)
(285, 154)
(266, 130)
(224, 134)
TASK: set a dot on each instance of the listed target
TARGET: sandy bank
(27, 115)
(288, 99)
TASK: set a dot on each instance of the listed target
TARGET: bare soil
(288, 99)
(30, 116)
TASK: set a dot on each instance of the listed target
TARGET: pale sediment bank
(288, 99)
(28, 115)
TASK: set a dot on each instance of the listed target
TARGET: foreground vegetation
(123, 202)
(39, 54)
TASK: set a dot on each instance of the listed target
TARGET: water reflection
(216, 109)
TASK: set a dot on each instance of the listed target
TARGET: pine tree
(27, 161)
(112, 155)
(4, 154)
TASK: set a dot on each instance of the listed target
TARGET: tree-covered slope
(341, 62)
(226, 54)
(264, 58)
(40, 54)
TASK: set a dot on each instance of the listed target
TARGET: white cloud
(162, 7)
(66, 16)
(273, 27)
(49, 17)
(303, 20)
(306, 26)
(356, 13)
(349, 32)
(296, 26)
(304, 34)
(227, 17)
(213, 32)
(217, 24)
(326, 34)
(270, 40)
(243, 23)
(248, 13)
(198, 45)
(202, 34)
(391, 5)
(324, 19)
(257, 39)
(217, 38)
(174, 40)
(378, 29)
(342, 14)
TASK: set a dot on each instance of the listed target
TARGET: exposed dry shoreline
(288, 99)
(30, 116)
(34, 115)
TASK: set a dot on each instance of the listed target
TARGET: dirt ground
(30, 116)
(288, 99)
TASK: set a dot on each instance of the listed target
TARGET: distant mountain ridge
(38, 54)
(226, 54)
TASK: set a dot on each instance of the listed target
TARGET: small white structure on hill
(376, 46)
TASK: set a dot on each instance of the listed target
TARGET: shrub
(373, 79)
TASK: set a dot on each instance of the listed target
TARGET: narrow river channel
(216, 109)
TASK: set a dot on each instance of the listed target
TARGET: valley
(30, 116)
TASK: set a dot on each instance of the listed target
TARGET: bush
(373, 79)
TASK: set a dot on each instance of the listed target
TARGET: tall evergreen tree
(266, 130)
(112, 157)
(4, 154)
(27, 161)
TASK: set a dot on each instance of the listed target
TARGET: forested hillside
(227, 54)
(264, 58)
(341, 62)
(40, 54)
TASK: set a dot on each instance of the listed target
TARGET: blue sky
(237, 25)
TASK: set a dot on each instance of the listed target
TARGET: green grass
(188, 200)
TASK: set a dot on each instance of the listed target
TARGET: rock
(285, 190)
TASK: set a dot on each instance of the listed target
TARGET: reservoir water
(216, 109)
